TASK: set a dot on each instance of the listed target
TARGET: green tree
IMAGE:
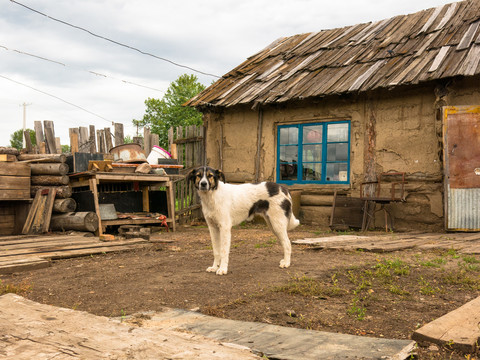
(16, 139)
(160, 115)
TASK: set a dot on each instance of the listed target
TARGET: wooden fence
(188, 144)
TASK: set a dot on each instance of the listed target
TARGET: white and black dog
(225, 205)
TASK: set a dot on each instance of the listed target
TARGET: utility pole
(24, 122)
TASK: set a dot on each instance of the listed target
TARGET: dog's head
(205, 178)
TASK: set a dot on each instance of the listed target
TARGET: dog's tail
(293, 222)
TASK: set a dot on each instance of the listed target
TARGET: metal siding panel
(463, 209)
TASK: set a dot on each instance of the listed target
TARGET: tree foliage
(16, 139)
(168, 112)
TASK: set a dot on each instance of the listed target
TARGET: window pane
(312, 134)
(337, 152)
(312, 153)
(312, 172)
(288, 136)
(288, 171)
(337, 172)
(288, 153)
(337, 132)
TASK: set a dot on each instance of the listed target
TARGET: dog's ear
(191, 175)
(220, 175)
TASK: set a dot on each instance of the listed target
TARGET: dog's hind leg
(215, 237)
(280, 231)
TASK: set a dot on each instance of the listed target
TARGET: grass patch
(18, 289)
(266, 244)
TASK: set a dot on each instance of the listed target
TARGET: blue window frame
(314, 153)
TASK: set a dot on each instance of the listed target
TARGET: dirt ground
(368, 294)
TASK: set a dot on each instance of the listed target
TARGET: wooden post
(108, 140)
(74, 138)
(154, 139)
(94, 189)
(28, 141)
(101, 141)
(39, 135)
(93, 145)
(83, 143)
(146, 141)
(118, 134)
(50, 136)
(58, 146)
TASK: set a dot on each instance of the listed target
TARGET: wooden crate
(14, 181)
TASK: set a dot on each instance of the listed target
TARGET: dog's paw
(284, 264)
(222, 271)
(212, 269)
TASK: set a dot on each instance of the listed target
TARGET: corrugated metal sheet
(408, 49)
(463, 209)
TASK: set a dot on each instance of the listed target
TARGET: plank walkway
(277, 342)
(22, 253)
(464, 243)
(37, 331)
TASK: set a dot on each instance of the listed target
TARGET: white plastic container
(156, 153)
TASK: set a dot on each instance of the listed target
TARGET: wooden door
(461, 131)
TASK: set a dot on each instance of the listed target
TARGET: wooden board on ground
(36, 331)
(459, 328)
(21, 253)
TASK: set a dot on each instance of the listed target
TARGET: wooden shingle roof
(432, 44)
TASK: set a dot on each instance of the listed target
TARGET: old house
(330, 110)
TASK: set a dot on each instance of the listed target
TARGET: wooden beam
(83, 143)
(93, 145)
(74, 138)
(108, 140)
(50, 136)
(39, 135)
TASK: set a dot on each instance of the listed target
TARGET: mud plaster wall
(398, 130)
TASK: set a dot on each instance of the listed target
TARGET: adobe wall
(398, 130)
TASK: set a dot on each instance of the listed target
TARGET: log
(64, 205)
(50, 180)
(63, 192)
(79, 221)
(49, 169)
(54, 158)
(9, 150)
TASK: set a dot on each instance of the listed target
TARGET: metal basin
(128, 153)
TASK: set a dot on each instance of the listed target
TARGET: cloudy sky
(69, 76)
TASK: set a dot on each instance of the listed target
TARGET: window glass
(337, 132)
(337, 152)
(337, 172)
(288, 136)
(312, 172)
(289, 153)
(288, 171)
(312, 134)
(312, 153)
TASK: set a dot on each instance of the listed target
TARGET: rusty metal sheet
(461, 129)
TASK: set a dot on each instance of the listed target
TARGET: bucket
(156, 153)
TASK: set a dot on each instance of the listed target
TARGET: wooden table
(92, 179)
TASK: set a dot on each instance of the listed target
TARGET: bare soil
(368, 294)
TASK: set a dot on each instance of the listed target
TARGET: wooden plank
(14, 182)
(37, 126)
(459, 328)
(28, 141)
(29, 264)
(31, 214)
(74, 140)
(468, 36)
(108, 139)
(83, 145)
(119, 137)
(50, 136)
(93, 145)
(14, 169)
(8, 157)
(58, 145)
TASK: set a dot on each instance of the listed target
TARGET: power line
(56, 97)
(90, 71)
(116, 42)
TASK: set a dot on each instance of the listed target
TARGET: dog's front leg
(215, 237)
(225, 240)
